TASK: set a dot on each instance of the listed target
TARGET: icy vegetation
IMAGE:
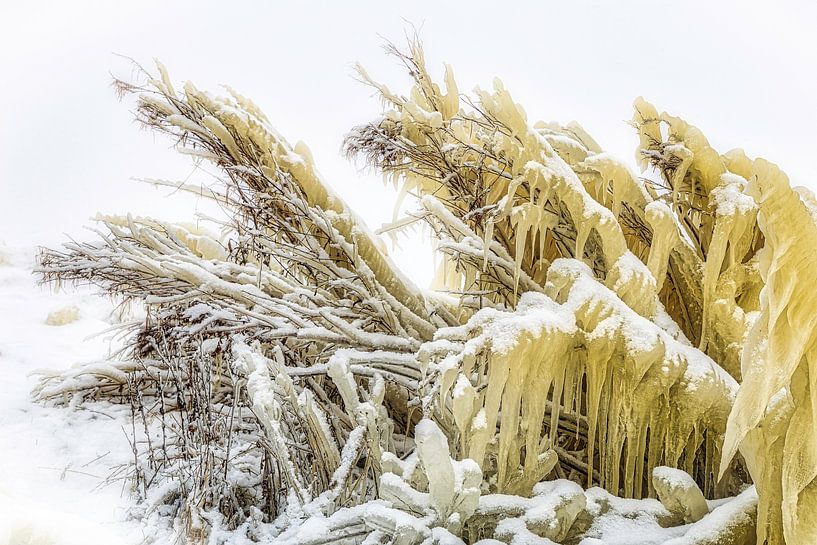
(606, 358)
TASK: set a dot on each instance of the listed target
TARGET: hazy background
(745, 72)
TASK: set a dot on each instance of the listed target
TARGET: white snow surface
(730, 197)
(54, 461)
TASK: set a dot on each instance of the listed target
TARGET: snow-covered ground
(54, 462)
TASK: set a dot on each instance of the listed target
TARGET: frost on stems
(595, 326)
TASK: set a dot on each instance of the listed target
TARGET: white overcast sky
(745, 72)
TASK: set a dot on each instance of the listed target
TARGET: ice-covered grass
(61, 469)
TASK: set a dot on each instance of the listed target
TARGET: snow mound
(679, 493)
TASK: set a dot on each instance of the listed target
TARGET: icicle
(522, 223)
(664, 239)
(734, 218)
(487, 238)
(582, 232)
(498, 371)
(511, 401)
(464, 407)
(432, 449)
(451, 99)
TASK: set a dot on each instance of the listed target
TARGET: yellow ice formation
(773, 419)
(580, 352)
